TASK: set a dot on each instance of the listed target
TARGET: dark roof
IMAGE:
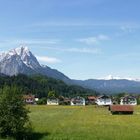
(91, 97)
(77, 98)
(103, 96)
(67, 99)
(29, 97)
(52, 98)
(128, 97)
(121, 108)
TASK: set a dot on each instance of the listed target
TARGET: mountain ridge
(22, 61)
(112, 86)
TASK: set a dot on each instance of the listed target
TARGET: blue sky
(81, 38)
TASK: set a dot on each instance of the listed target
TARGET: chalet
(64, 100)
(121, 109)
(103, 100)
(29, 99)
(91, 100)
(77, 101)
(52, 101)
(128, 100)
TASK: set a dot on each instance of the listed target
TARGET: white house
(52, 101)
(77, 101)
(128, 100)
(103, 100)
(36, 99)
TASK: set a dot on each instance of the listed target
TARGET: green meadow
(83, 123)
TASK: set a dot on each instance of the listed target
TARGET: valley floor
(83, 123)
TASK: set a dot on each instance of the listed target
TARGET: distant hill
(111, 86)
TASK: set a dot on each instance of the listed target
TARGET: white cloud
(93, 40)
(89, 40)
(47, 59)
(127, 29)
(77, 50)
(82, 22)
(103, 37)
(18, 41)
(84, 50)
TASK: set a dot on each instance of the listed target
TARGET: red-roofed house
(91, 100)
(29, 99)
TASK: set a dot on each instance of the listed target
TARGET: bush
(138, 101)
(42, 101)
(14, 120)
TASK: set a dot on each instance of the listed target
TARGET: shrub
(14, 120)
(42, 101)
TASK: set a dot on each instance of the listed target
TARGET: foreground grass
(83, 123)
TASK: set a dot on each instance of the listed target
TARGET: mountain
(111, 86)
(110, 77)
(22, 61)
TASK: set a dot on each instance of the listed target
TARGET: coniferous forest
(41, 85)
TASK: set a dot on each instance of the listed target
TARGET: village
(124, 106)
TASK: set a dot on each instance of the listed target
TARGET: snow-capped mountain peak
(110, 77)
(22, 50)
(20, 58)
(18, 51)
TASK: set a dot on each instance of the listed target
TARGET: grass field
(83, 123)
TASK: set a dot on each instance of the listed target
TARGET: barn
(121, 109)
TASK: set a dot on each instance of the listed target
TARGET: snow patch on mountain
(110, 77)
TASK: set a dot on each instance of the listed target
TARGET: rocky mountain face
(16, 61)
(21, 60)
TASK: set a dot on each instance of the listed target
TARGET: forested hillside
(40, 86)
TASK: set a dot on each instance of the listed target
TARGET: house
(52, 101)
(128, 100)
(121, 109)
(29, 99)
(77, 101)
(64, 100)
(91, 100)
(103, 100)
(115, 100)
(36, 99)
